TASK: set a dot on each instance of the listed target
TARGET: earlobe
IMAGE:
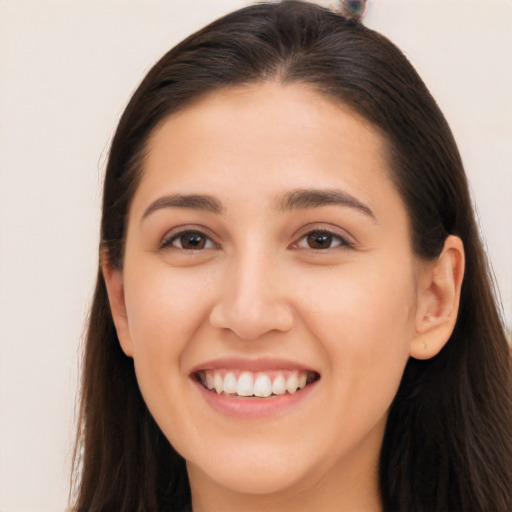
(115, 289)
(439, 290)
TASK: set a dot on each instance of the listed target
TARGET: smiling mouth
(247, 384)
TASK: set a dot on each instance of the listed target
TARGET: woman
(293, 309)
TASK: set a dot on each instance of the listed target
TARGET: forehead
(267, 139)
(289, 106)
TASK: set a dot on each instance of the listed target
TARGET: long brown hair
(447, 445)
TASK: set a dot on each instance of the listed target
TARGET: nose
(252, 301)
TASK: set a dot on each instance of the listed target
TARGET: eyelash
(343, 243)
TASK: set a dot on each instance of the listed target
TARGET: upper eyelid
(187, 228)
(325, 228)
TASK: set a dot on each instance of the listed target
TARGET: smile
(261, 384)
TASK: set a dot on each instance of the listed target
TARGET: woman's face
(268, 253)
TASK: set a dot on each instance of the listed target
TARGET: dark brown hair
(447, 445)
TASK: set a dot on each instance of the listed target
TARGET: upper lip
(261, 364)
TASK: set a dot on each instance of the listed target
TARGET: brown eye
(322, 240)
(318, 240)
(192, 241)
(189, 241)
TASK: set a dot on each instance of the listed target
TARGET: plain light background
(67, 68)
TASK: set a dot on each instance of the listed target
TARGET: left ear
(439, 286)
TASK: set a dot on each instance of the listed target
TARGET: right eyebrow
(191, 201)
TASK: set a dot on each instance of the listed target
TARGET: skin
(354, 311)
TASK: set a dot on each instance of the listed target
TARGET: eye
(189, 241)
(322, 239)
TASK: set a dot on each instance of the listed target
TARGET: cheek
(364, 316)
(360, 298)
(164, 306)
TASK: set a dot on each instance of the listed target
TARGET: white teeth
(245, 385)
(209, 381)
(255, 384)
(292, 383)
(230, 383)
(303, 377)
(218, 383)
(262, 386)
(279, 385)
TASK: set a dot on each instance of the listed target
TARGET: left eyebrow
(190, 201)
(315, 198)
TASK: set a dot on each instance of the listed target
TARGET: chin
(259, 482)
(254, 476)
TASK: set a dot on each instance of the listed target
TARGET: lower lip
(253, 407)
